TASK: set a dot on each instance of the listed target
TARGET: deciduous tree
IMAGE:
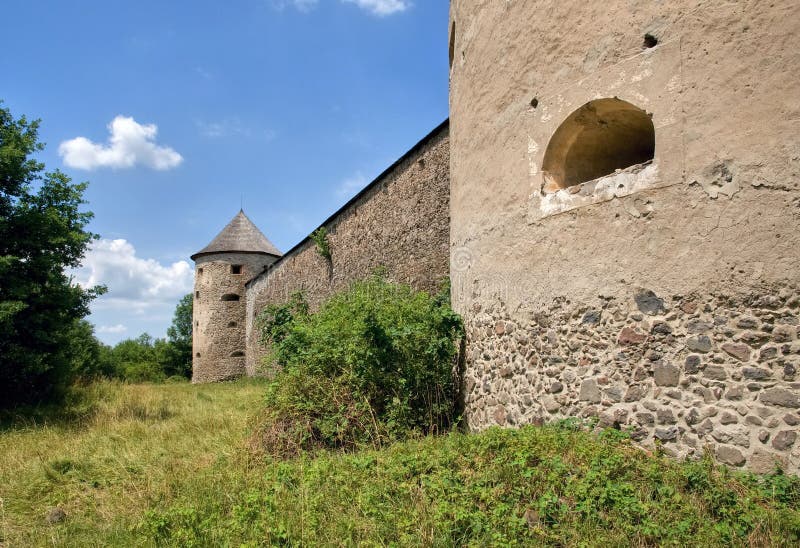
(42, 233)
(179, 335)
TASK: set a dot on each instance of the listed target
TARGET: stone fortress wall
(661, 296)
(399, 223)
(617, 196)
(219, 314)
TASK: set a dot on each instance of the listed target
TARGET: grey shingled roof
(240, 235)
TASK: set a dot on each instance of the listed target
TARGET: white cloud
(300, 5)
(135, 285)
(350, 186)
(203, 73)
(376, 7)
(223, 128)
(112, 329)
(130, 144)
(381, 7)
(232, 127)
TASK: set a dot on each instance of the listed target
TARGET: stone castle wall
(660, 298)
(400, 223)
(218, 342)
(691, 371)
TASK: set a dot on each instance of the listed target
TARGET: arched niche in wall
(599, 138)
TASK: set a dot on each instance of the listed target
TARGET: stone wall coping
(436, 132)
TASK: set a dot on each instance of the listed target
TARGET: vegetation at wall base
(375, 364)
(168, 465)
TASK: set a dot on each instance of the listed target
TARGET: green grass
(169, 465)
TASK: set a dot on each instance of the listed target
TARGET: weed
(320, 239)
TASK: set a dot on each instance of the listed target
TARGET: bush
(375, 363)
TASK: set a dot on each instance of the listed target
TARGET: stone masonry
(625, 205)
(222, 268)
(399, 223)
(617, 193)
(690, 373)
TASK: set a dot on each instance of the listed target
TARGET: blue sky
(289, 105)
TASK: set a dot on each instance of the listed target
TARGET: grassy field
(136, 446)
(144, 465)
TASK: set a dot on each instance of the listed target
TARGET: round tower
(222, 268)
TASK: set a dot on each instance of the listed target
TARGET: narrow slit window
(451, 53)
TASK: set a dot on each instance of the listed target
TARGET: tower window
(230, 297)
(199, 271)
(197, 355)
(232, 324)
(601, 137)
(237, 354)
(197, 294)
(236, 269)
(451, 50)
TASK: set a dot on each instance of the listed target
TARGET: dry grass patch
(132, 446)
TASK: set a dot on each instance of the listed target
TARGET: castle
(615, 199)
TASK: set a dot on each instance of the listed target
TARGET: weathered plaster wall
(400, 223)
(712, 222)
(219, 326)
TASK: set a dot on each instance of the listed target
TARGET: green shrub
(375, 363)
(141, 372)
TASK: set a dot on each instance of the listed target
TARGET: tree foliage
(145, 359)
(142, 359)
(179, 335)
(42, 233)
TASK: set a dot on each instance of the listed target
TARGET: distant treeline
(145, 359)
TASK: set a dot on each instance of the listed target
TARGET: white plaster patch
(533, 149)
(641, 76)
(622, 183)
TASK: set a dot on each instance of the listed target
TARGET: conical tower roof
(239, 236)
